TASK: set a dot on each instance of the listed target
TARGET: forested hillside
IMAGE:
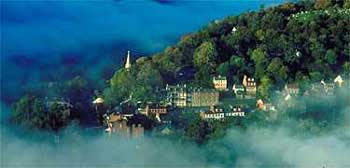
(294, 42)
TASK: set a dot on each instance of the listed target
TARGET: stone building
(183, 96)
(204, 97)
(118, 124)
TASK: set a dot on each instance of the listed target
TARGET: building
(183, 96)
(100, 109)
(322, 89)
(128, 62)
(166, 131)
(328, 89)
(234, 29)
(98, 105)
(235, 112)
(269, 107)
(238, 90)
(339, 81)
(219, 113)
(250, 87)
(220, 82)
(155, 108)
(137, 131)
(292, 89)
(118, 124)
(177, 95)
(265, 106)
(212, 115)
(260, 104)
(203, 97)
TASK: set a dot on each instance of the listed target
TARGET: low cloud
(54, 40)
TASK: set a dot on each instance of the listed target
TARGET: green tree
(265, 87)
(39, 118)
(124, 82)
(223, 69)
(198, 130)
(205, 55)
(203, 77)
(58, 115)
(23, 110)
(331, 56)
(148, 74)
(346, 68)
(31, 112)
(316, 76)
(259, 57)
(237, 61)
(76, 89)
(277, 70)
(322, 4)
(346, 4)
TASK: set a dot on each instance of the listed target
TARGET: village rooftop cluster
(225, 100)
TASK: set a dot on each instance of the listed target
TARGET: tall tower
(127, 63)
(244, 82)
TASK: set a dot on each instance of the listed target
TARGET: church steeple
(127, 63)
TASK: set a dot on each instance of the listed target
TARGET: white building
(220, 83)
(127, 63)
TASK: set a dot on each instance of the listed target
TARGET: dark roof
(185, 73)
(155, 105)
(292, 86)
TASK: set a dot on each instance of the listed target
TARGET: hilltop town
(270, 66)
(226, 100)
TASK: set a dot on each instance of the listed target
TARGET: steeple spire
(127, 63)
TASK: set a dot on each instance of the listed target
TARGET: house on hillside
(183, 96)
(250, 87)
(238, 90)
(339, 81)
(204, 97)
(220, 83)
(155, 108)
(292, 89)
(220, 113)
(118, 124)
(324, 89)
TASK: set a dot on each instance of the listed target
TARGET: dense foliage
(304, 41)
(51, 106)
(32, 112)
